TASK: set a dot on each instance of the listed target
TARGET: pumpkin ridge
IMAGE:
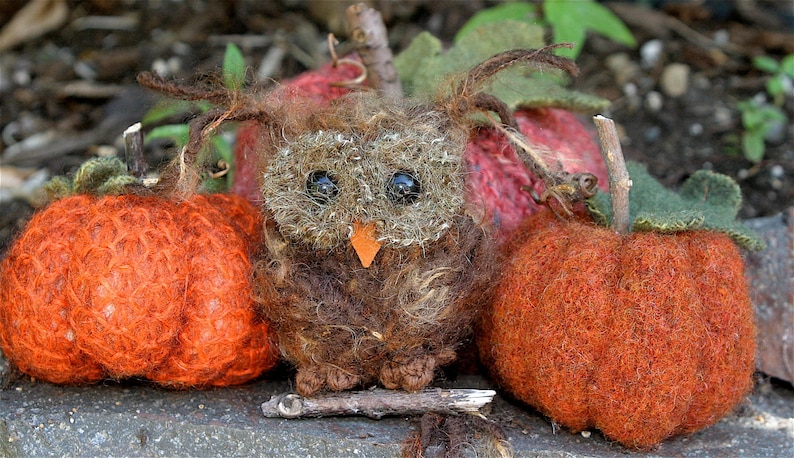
(637, 386)
(591, 310)
(534, 246)
(726, 360)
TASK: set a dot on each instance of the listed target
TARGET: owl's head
(364, 166)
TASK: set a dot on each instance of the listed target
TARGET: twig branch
(378, 403)
(133, 151)
(366, 29)
(619, 180)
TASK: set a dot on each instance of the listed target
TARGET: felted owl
(373, 268)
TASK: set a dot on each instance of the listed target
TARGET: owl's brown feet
(340, 380)
(411, 375)
(311, 380)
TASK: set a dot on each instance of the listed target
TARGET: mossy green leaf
(706, 201)
(96, 173)
(427, 73)
(102, 176)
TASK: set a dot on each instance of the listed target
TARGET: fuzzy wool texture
(362, 143)
(496, 175)
(394, 323)
(397, 321)
(643, 337)
(132, 286)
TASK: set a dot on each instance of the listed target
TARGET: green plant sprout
(759, 117)
(233, 78)
(569, 21)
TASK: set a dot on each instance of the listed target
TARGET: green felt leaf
(96, 173)
(426, 72)
(706, 201)
(102, 176)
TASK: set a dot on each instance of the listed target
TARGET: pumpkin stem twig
(619, 180)
(133, 149)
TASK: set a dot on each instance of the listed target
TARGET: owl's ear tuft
(467, 97)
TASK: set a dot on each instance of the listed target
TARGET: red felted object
(642, 336)
(131, 286)
(497, 175)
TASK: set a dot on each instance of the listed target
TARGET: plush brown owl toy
(373, 269)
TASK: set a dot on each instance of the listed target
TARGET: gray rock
(5, 370)
(39, 419)
(674, 81)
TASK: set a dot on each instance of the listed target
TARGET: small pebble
(776, 132)
(722, 115)
(654, 101)
(21, 77)
(630, 89)
(586, 434)
(722, 37)
(777, 171)
(651, 52)
(674, 81)
(168, 67)
(695, 129)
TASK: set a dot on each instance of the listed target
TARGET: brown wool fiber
(643, 337)
(131, 286)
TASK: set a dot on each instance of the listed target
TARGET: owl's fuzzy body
(398, 320)
(395, 322)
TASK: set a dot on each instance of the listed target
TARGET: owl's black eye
(403, 188)
(321, 186)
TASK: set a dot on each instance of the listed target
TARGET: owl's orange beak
(364, 242)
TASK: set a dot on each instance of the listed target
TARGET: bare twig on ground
(378, 403)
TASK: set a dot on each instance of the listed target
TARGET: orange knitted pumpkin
(643, 335)
(130, 286)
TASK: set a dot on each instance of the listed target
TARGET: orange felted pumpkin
(136, 286)
(642, 335)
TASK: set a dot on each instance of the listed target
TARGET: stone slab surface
(110, 420)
